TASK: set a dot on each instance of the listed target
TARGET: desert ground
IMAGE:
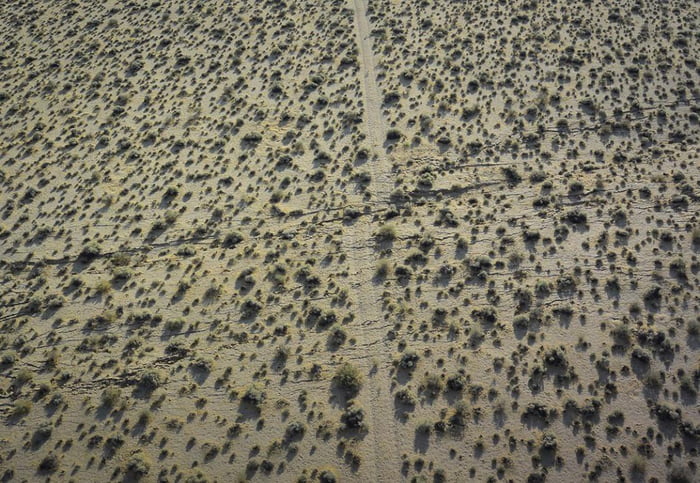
(350, 240)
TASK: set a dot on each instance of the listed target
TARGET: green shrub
(348, 378)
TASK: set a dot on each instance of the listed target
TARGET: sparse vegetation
(349, 241)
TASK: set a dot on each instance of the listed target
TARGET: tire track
(384, 464)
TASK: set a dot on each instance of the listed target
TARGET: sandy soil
(357, 240)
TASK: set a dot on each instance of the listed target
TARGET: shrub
(337, 336)
(232, 239)
(151, 379)
(521, 322)
(145, 417)
(252, 138)
(424, 427)
(138, 465)
(622, 334)
(432, 385)
(90, 251)
(174, 325)
(638, 466)
(254, 396)
(213, 292)
(405, 396)
(575, 217)
(34, 305)
(8, 358)
(652, 297)
(327, 476)
(383, 269)
(393, 135)
(654, 380)
(48, 464)
(549, 442)
(386, 233)
(203, 364)
(121, 274)
(695, 237)
(294, 431)
(680, 474)
(21, 408)
(23, 376)
(353, 417)
(512, 176)
(348, 378)
(408, 360)
(103, 286)
(457, 382)
(111, 397)
(461, 414)
(250, 309)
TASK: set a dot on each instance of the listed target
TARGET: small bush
(652, 297)
(432, 385)
(383, 269)
(680, 474)
(294, 431)
(90, 251)
(456, 383)
(111, 397)
(23, 376)
(254, 397)
(145, 417)
(232, 239)
(203, 364)
(151, 379)
(174, 325)
(337, 337)
(48, 464)
(575, 217)
(405, 396)
(408, 360)
(386, 233)
(122, 274)
(348, 378)
(250, 309)
(21, 408)
(8, 358)
(327, 476)
(103, 287)
(512, 176)
(353, 417)
(638, 466)
(138, 465)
